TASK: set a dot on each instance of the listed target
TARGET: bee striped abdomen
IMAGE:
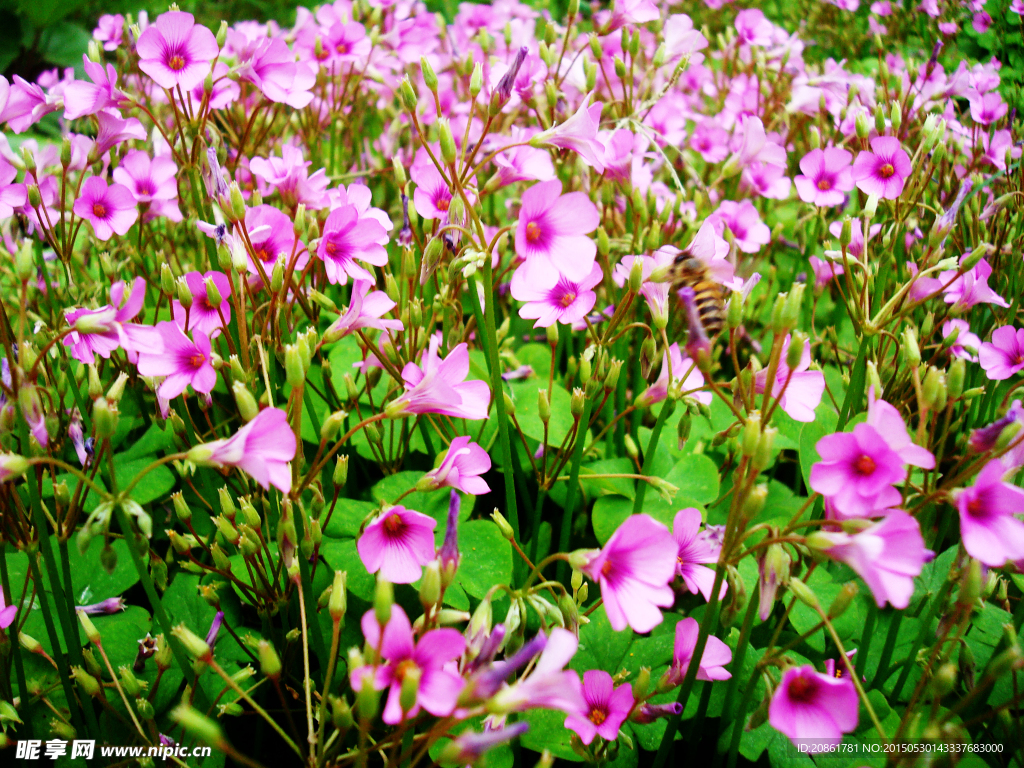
(710, 305)
(709, 296)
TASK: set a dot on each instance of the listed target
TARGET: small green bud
(429, 76)
(86, 683)
(944, 680)
(408, 94)
(933, 390)
(247, 407)
(896, 116)
(795, 353)
(911, 351)
(270, 662)
(430, 584)
(576, 403)
(502, 523)
(383, 599)
(129, 682)
(332, 426)
(476, 80)
(294, 369)
(879, 119)
(104, 418)
(843, 600)
(237, 202)
(448, 151)
(803, 593)
(751, 434)
(340, 476)
(198, 725)
(755, 501)
(338, 603)
(194, 644)
(89, 628)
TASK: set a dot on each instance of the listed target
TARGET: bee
(690, 271)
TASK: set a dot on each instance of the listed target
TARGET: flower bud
(338, 602)
(429, 77)
(911, 351)
(879, 119)
(198, 725)
(502, 523)
(89, 628)
(843, 600)
(896, 116)
(270, 662)
(944, 680)
(340, 476)
(803, 593)
(104, 418)
(383, 599)
(86, 683)
(430, 584)
(755, 501)
(408, 94)
(933, 390)
(794, 355)
(247, 407)
(576, 403)
(955, 378)
(237, 207)
(448, 151)
(194, 644)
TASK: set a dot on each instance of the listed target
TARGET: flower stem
(564, 536)
(248, 700)
(652, 447)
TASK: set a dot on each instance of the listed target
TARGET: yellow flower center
(176, 62)
(886, 170)
(532, 232)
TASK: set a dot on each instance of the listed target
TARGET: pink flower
(520, 164)
(8, 612)
(711, 141)
(348, 236)
(87, 98)
(175, 51)
(632, 12)
(753, 28)
(856, 246)
(857, 472)
(693, 553)
(109, 31)
(606, 708)
(803, 388)
(432, 196)
(11, 195)
(808, 705)
(262, 448)
(745, 224)
(986, 108)
(970, 288)
(550, 296)
(107, 209)
(105, 326)
(398, 543)
(887, 555)
(183, 361)
(202, 316)
(964, 339)
(439, 386)
(827, 176)
(366, 310)
(273, 237)
(549, 685)
(981, 21)
(1003, 357)
(153, 182)
(889, 424)
(634, 569)
(824, 271)
(883, 170)
(113, 130)
(553, 228)
(461, 467)
(990, 531)
(578, 133)
(268, 64)
(676, 370)
(712, 662)
(438, 689)
(289, 174)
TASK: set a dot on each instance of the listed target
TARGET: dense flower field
(388, 390)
